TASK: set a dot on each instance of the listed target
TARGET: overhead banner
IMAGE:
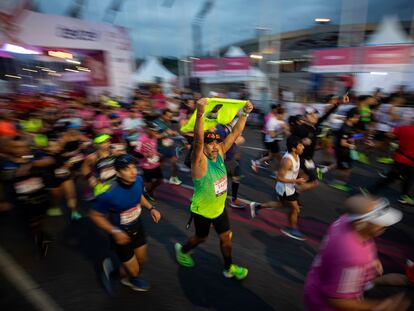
(205, 66)
(362, 59)
(113, 64)
(227, 66)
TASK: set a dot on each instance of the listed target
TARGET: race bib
(61, 172)
(107, 173)
(118, 147)
(76, 159)
(129, 216)
(29, 185)
(153, 159)
(309, 164)
(167, 142)
(220, 186)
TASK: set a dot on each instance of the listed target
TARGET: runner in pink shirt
(347, 261)
(150, 161)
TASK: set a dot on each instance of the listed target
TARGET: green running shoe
(340, 186)
(75, 215)
(385, 160)
(405, 199)
(364, 191)
(236, 271)
(54, 212)
(183, 259)
(363, 158)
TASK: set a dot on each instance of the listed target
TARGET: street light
(256, 56)
(321, 20)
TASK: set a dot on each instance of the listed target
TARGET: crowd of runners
(111, 157)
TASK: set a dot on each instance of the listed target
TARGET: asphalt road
(70, 274)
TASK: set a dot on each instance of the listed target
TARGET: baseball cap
(153, 127)
(212, 136)
(309, 110)
(123, 161)
(383, 214)
(73, 126)
(100, 138)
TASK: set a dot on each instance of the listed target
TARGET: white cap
(383, 214)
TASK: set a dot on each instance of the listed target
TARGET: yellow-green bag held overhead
(218, 111)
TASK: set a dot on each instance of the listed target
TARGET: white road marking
(25, 284)
(253, 148)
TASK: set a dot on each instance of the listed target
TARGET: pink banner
(204, 65)
(397, 54)
(236, 63)
(333, 57)
(368, 55)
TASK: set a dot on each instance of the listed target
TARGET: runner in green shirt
(210, 191)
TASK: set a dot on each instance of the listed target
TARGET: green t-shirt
(210, 191)
(365, 113)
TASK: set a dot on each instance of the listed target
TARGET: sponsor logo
(77, 34)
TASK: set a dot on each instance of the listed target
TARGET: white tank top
(288, 188)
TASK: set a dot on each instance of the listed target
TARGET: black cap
(123, 161)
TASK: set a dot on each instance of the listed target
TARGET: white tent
(389, 32)
(254, 78)
(234, 51)
(151, 71)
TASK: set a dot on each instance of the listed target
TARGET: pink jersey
(159, 101)
(148, 148)
(266, 119)
(101, 122)
(344, 265)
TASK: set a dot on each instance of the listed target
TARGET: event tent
(387, 77)
(152, 71)
(254, 79)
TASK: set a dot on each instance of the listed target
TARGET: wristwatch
(245, 114)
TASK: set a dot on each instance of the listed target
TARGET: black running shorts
(138, 238)
(202, 224)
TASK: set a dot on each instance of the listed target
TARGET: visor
(101, 138)
(309, 110)
(211, 136)
(383, 214)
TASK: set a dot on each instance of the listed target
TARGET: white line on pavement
(25, 284)
(253, 148)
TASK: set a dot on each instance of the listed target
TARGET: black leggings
(399, 169)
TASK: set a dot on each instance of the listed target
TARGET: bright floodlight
(256, 56)
(321, 20)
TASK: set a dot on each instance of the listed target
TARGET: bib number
(220, 186)
(129, 216)
(76, 159)
(61, 172)
(29, 185)
(309, 164)
(107, 173)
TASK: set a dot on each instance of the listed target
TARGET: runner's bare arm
(197, 154)
(238, 128)
(101, 221)
(87, 171)
(44, 162)
(285, 166)
(155, 214)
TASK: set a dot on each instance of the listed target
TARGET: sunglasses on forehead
(212, 136)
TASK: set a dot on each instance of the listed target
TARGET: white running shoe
(175, 181)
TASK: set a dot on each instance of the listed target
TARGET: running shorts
(202, 224)
(138, 238)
